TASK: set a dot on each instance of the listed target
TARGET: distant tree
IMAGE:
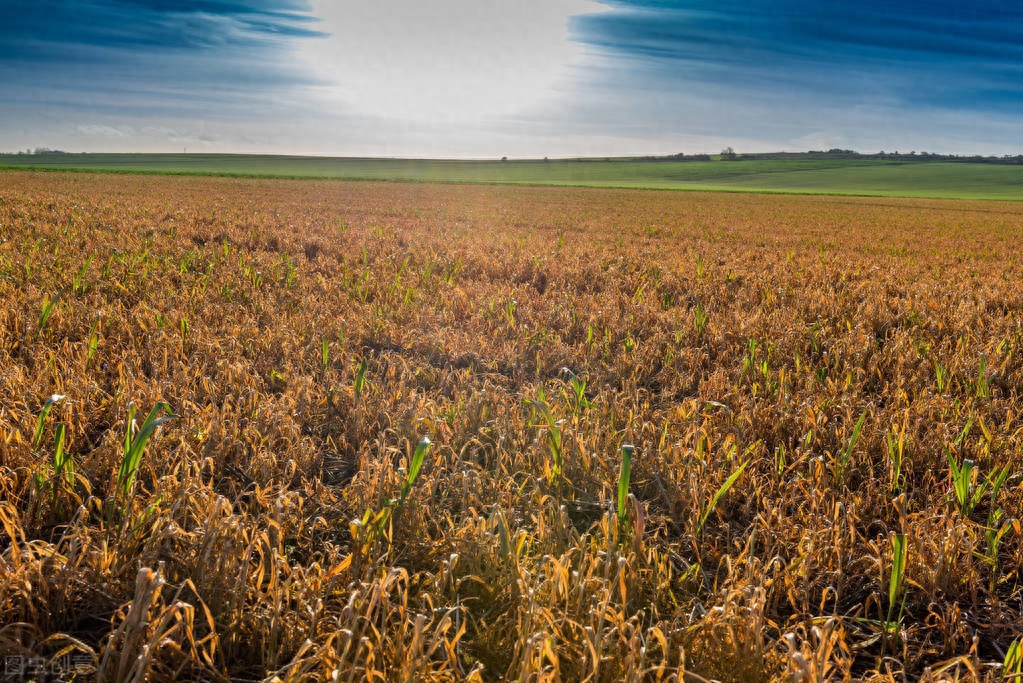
(728, 154)
(504, 158)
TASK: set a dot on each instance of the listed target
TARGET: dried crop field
(824, 397)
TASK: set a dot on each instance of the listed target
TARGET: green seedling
(63, 468)
(896, 440)
(624, 476)
(78, 284)
(418, 456)
(360, 379)
(841, 463)
(63, 462)
(732, 478)
(780, 461)
(1012, 667)
(44, 316)
(700, 320)
(637, 296)
(554, 436)
(941, 375)
(509, 311)
(751, 355)
(38, 437)
(996, 529)
(983, 381)
(577, 397)
(968, 494)
(375, 524)
(290, 270)
(135, 444)
(896, 580)
(962, 476)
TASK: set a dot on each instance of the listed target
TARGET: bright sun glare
(444, 61)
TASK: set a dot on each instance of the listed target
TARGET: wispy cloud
(956, 55)
(100, 130)
(190, 58)
(42, 31)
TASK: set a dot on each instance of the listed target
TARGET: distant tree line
(971, 159)
(41, 150)
(836, 153)
(681, 156)
(729, 154)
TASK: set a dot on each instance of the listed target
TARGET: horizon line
(921, 154)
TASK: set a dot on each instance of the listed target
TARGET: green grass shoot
(577, 398)
(732, 478)
(845, 457)
(416, 464)
(700, 320)
(1012, 667)
(38, 437)
(967, 494)
(135, 444)
(360, 379)
(63, 462)
(624, 477)
(44, 315)
(554, 436)
(78, 284)
(896, 578)
(983, 381)
(896, 441)
(940, 377)
(93, 345)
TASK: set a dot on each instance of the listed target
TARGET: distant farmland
(797, 174)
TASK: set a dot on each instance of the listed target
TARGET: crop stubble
(264, 535)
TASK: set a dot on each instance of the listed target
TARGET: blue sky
(464, 78)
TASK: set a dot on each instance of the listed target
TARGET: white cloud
(444, 61)
(819, 140)
(102, 131)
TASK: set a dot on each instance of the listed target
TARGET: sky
(516, 78)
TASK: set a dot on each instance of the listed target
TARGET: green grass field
(865, 176)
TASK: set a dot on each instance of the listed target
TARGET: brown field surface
(825, 396)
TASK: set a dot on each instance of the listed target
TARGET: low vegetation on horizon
(280, 430)
(838, 172)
